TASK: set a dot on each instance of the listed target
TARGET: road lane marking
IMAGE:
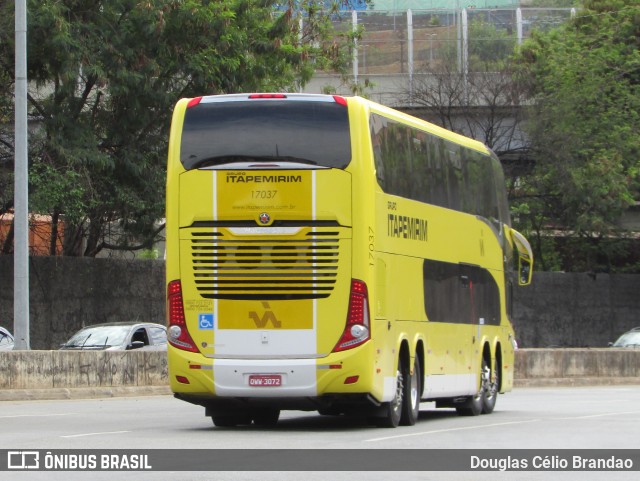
(37, 415)
(437, 431)
(587, 416)
(93, 434)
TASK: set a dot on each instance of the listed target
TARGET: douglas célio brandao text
(551, 463)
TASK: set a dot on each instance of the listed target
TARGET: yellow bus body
(301, 235)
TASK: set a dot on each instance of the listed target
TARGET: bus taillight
(356, 331)
(178, 334)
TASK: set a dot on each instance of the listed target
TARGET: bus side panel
(468, 293)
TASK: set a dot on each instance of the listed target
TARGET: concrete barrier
(78, 374)
(26, 375)
(576, 367)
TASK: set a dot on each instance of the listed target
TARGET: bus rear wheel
(266, 417)
(411, 395)
(492, 380)
(482, 401)
(392, 411)
(230, 420)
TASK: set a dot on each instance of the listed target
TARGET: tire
(330, 411)
(411, 395)
(474, 405)
(392, 411)
(492, 387)
(230, 420)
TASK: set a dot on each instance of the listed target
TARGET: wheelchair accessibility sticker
(205, 321)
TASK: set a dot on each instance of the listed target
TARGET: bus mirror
(524, 271)
(525, 258)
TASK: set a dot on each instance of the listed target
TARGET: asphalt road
(530, 419)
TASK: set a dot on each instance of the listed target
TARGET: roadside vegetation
(108, 74)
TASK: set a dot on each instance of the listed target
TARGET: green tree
(583, 79)
(104, 78)
(489, 46)
(6, 142)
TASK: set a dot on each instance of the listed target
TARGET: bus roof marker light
(340, 100)
(267, 96)
(194, 101)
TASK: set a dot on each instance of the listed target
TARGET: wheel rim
(492, 385)
(396, 404)
(486, 378)
(414, 389)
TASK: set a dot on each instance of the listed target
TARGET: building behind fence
(396, 45)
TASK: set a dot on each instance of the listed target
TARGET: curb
(576, 382)
(118, 392)
(82, 393)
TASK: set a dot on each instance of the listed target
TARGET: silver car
(628, 339)
(119, 336)
(6, 340)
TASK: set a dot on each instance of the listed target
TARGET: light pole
(21, 187)
(431, 35)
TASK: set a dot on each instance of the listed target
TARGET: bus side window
(377, 127)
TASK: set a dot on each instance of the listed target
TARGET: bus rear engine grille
(265, 269)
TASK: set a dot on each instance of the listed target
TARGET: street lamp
(431, 35)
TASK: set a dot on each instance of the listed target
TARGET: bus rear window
(306, 132)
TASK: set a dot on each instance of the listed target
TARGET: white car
(6, 340)
(119, 336)
(628, 339)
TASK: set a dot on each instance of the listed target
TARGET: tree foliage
(104, 77)
(482, 100)
(583, 79)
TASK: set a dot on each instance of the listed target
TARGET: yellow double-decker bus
(328, 253)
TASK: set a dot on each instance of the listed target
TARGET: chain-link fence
(399, 42)
(396, 47)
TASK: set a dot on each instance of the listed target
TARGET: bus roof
(370, 105)
(424, 125)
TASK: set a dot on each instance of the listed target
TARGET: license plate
(265, 380)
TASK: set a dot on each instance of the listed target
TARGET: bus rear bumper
(193, 376)
(265, 378)
(353, 404)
